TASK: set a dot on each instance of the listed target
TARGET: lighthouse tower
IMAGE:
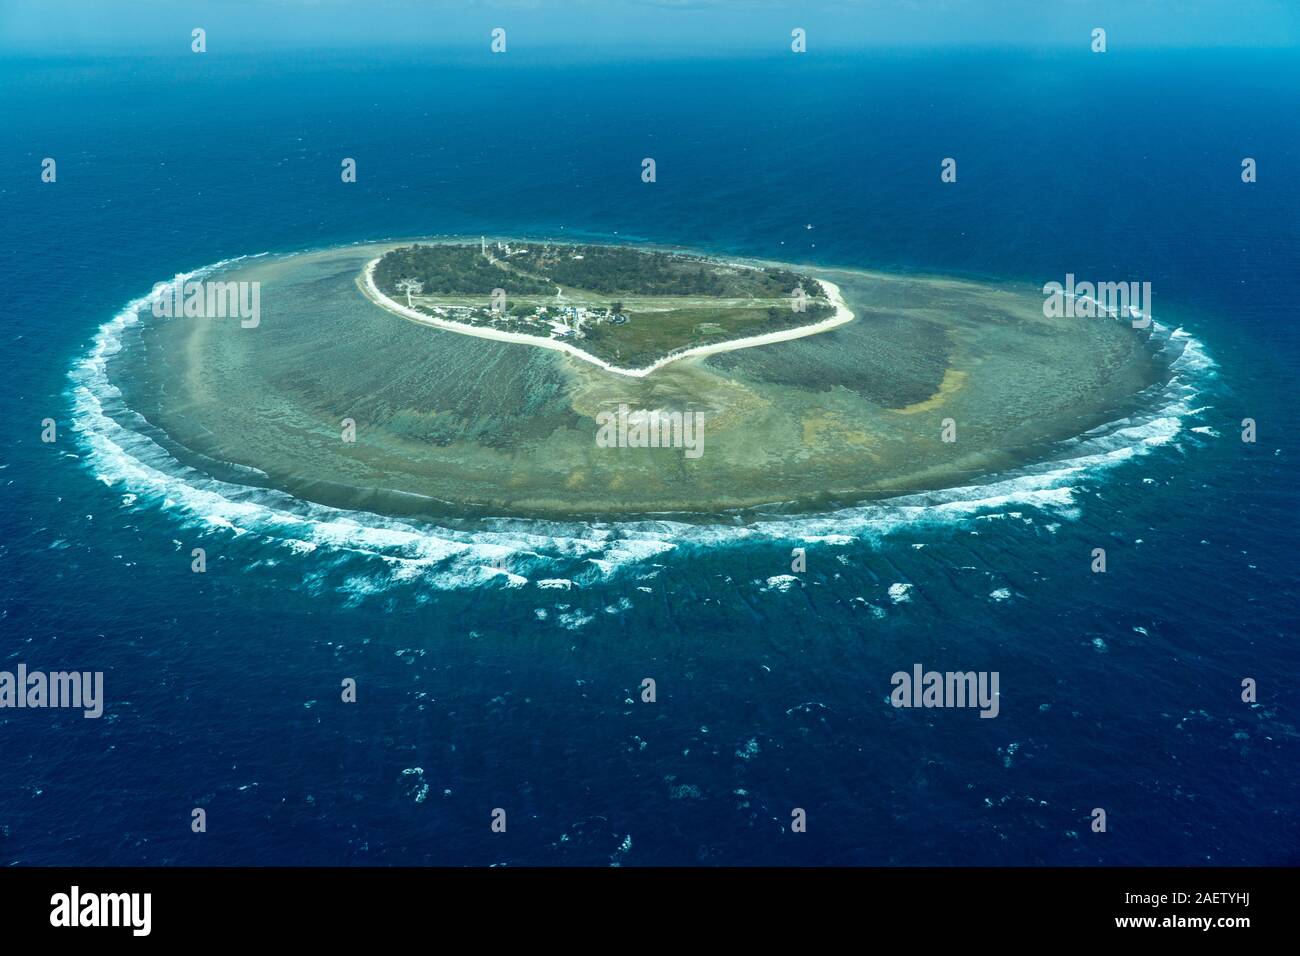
(483, 241)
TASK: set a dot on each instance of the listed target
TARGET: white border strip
(842, 315)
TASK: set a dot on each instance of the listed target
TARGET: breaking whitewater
(358, 553)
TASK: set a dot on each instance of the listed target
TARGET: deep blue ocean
(1119, 690)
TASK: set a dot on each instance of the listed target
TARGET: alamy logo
(652, 428)
(82, 690)
(1131, 300)
(922, 688)
(103, 909)
(209, 300)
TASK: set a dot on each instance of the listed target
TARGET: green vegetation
(619, 270)
(456, 270)
(627, 306)
(638, 344)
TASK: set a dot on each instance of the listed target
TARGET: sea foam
(411, 552)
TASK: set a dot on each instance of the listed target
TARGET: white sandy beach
(841, 316)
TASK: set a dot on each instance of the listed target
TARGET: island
(355, 400)
(627, 310)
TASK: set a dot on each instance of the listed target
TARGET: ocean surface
(479, 689)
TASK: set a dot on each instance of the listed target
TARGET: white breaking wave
(509, 551)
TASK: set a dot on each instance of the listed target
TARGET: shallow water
(456, 425)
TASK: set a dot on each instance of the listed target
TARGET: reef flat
(936, 382)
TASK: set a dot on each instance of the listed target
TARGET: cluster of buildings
(502, 249)
(566, 321)
(573, 317)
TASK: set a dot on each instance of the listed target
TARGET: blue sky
(608, 25)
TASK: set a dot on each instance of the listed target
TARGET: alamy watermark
(82, 690)
(1088, 300)
(209, 300)
(652, 428)
(128, 910)
(922, 688)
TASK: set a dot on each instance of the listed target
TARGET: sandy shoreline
(841, 316)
